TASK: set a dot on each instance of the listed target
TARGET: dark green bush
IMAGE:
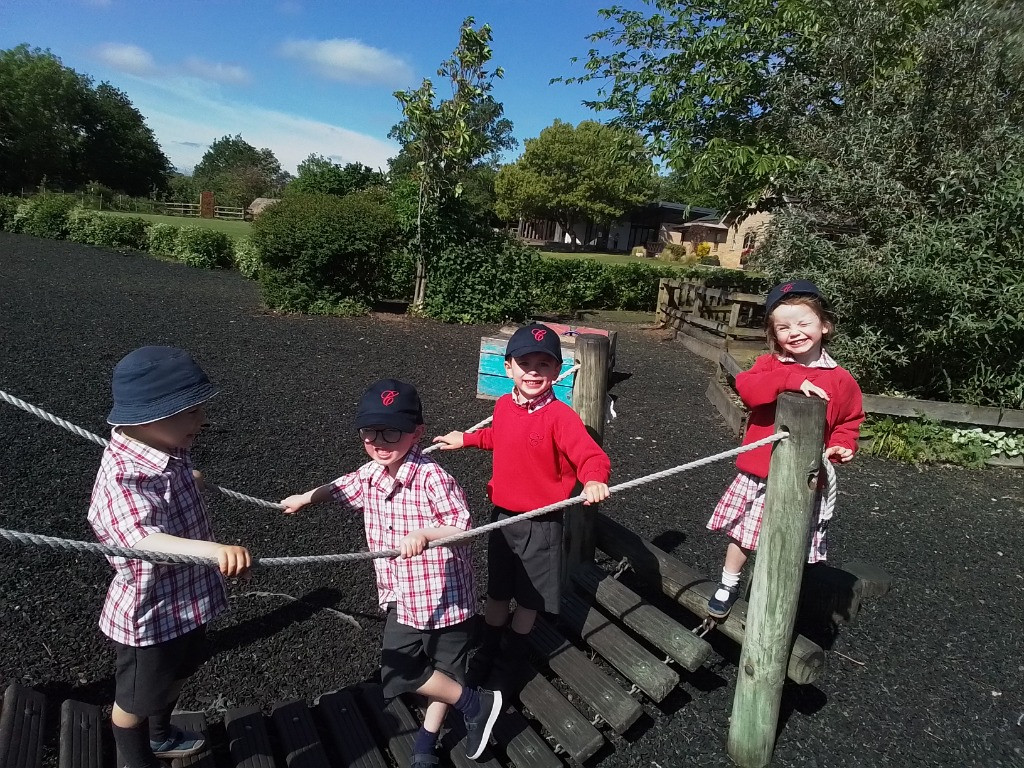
(396, 276)
(162, 239)
(108, 231)
(486, 279)
(201, 247)
(321, 251)
(45, 216)
(8, 210)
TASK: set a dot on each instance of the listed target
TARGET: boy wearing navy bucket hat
(541, 450)
(146, 497)
(407, 500)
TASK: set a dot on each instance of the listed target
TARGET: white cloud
(126, 58)
(230, 74)
(349, 61)
(186, 121)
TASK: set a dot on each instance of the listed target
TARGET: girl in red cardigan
(798, 326)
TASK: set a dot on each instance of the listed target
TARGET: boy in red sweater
(541, 450)
(798, 327)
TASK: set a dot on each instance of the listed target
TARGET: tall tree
(237, 173)
(120, 149)
(447, 137)
(320, 175)
(574, 173)
(55, 127)
(707, 82)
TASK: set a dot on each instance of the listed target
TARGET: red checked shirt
(140, 491)
(433, 590)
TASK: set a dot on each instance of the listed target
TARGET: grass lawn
(234, 229)
(604, 258)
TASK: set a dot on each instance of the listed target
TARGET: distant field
(604, 258)
(234, 229)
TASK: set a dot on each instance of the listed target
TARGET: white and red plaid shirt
(433, 590)
(140, 491)
(548, 396)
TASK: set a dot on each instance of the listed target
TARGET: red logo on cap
(538, 334)
(787, 288)
(387, 397)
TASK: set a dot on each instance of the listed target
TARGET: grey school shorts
(524, 561)
(144, 675)
(409, 656)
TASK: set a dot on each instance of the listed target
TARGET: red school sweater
(769, 377)
(538, 456)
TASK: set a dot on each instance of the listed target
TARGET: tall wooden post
(589, 400)
(781, 554)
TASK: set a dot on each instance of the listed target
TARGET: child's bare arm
(416, 542)
(232, 560)
(294, 503)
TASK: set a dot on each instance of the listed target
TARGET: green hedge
(94, 228)
(162, 239)
(8, 210)
(201, 247)
(322, 253)
(246, 257)
(44, 216)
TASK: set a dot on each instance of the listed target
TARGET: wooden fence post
(589, 400)
(781, 554)
(660, 316)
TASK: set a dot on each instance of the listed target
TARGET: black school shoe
(479, 727)
(719, 609)
(423, 761)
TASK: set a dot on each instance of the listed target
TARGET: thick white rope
(17, 537)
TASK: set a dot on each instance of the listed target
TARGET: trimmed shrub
(246, 257)
(162, 239)
(45, 216)
(204, 248)
(8, 210)
(484, 280)
(322, 253)
(94, 228)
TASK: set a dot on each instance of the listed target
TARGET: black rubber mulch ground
(940, 672)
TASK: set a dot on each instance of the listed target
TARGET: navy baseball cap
(792, 288)
(390, 403)
(152, 383)
(534, 338)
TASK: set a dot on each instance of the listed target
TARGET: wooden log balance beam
(789, 514)
(692, 591)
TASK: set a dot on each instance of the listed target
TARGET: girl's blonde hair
(820, 309)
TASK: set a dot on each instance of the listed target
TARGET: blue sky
(300, 76)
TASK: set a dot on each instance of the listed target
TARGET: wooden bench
(571, 731)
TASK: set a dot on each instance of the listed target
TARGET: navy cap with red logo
(390, 403)
(792, 288)
(534, 338)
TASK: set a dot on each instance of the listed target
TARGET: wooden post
(589, 400)
(781, 554)
(660, 316)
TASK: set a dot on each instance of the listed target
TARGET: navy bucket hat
(390, 403)
(534, 338)
(152, 383)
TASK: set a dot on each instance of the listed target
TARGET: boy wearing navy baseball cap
(541, 451)
(146, 497)
(407, 500)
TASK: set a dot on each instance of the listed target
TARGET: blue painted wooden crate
(492, 382)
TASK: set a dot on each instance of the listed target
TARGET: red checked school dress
(741, 508)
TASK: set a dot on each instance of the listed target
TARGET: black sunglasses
(388, 435)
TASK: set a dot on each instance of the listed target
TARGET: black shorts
(409, 656)
(524, 561)
(144, 675)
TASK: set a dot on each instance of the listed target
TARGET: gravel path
(932, 674)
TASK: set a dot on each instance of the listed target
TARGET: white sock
(729, 579)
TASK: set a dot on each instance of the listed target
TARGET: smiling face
(389, 455)
(798, 330)
(533, 373)
(173, 433)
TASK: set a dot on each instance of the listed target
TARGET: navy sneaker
(180, 744)
(719, 609)
(479, 727)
